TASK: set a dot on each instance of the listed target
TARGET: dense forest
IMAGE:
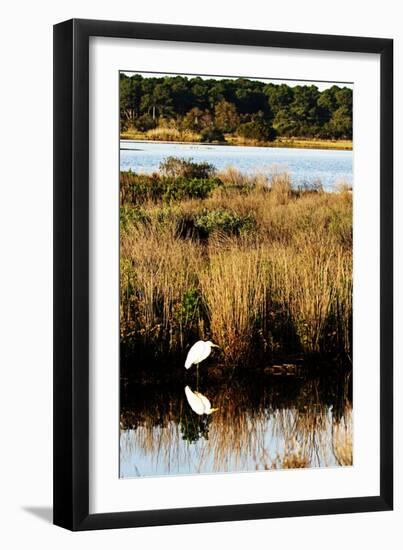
(214, 109)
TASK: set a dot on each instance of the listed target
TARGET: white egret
(198, 402)
(197, 353)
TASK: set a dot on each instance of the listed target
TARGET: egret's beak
(214, 346)
(213, 410)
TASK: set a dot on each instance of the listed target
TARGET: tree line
(247, 108)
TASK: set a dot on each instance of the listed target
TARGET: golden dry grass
(156, 271)
(160, 134)
(234, 285)
(290, 263)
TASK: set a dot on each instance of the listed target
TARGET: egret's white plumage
(198, 402)
(198, 352)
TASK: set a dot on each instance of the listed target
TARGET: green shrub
(259, 130)
(137, 189)
(226, 221)
(182, 188)
(132, 215)
(174, 167)
(190, 307)
(211, 135)
(145, 122)
(124, 124)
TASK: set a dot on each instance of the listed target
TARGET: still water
(304, 165)
(273, 422)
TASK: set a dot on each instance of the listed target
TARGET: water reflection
(269, 423)
(198, 402)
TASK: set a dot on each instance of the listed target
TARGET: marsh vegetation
(259, 266)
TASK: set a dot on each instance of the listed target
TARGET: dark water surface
(279, 418)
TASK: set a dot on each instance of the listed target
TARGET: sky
(319, 84)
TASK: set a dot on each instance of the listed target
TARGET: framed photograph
(222, 274)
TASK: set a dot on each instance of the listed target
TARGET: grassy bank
(186, 136)
(260, 268)
(296, 143)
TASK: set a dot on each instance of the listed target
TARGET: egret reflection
(198, 402)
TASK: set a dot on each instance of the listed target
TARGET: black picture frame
(71, 274)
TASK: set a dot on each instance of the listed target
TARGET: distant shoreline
(288, 143)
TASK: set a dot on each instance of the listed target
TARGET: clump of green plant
(137, 189)
(259, 130)
(145, 122)
(132, 215)
(193, 427)
(192, 188)
(225, 221)
(211, 135)
(191, 307)
(174, 167)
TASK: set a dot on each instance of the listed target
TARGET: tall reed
(234, 285)
(314, 280)
(157, 270)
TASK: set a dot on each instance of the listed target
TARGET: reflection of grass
(256, 427)
(246, 260)
(342, 439)
(306, 435)
(290, 460)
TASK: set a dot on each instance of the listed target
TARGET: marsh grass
(163, 133)
(171, 134)
(158, 271)
(314, 280)
(246, 260)
(234, 285)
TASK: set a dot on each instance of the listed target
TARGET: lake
(304, 165)
(275, 421)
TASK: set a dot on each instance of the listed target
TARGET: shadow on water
(271, 419)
